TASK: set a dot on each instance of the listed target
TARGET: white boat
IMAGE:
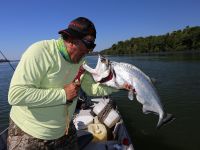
(99, 127)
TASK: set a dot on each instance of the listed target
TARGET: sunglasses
(89, 44)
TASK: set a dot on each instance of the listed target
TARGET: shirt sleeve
(25, 87)
(91, 88)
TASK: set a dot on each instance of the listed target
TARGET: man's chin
(76, 61)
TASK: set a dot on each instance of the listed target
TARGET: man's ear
(71, 43)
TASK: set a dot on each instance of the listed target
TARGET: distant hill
(187, 39)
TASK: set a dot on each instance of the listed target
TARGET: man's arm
(91, 88)
(25, 87)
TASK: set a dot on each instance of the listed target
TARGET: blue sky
(23, 22)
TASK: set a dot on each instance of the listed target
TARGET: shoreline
(168, 53)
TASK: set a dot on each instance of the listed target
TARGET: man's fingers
(77, 81)
(77, 85)
(128, 86)
(71, 90)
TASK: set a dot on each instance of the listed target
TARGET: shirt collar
(63, 50)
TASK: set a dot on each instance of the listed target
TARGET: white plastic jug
(112, 118)
(99, 107)
(81, 122)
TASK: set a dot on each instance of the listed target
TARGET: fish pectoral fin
(130, 95)
(146, 111)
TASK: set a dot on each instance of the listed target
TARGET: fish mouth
(102, 69)
(89, 69)
(97, 68)
(93, 70)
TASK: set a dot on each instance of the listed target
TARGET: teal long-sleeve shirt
(36, 90)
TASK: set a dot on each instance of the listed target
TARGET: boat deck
(117, 136)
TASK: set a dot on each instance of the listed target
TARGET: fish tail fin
(167, 119)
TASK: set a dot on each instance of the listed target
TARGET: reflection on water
(5, 77)
(178, 84)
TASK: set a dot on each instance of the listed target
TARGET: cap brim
(71, 33)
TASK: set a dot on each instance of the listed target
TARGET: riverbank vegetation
(187, 39)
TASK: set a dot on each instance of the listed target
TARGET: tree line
(187, 39)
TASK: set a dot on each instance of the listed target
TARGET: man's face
(77, 48)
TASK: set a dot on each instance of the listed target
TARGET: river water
(178, 84)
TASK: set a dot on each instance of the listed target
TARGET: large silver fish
(116, 74)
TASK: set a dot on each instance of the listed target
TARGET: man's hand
(127, 86)
(71, 90)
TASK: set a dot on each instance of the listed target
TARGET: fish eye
(103, 60)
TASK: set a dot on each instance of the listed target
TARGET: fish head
(103, 65)
(101, 70)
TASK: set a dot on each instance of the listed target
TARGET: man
(43, 92)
